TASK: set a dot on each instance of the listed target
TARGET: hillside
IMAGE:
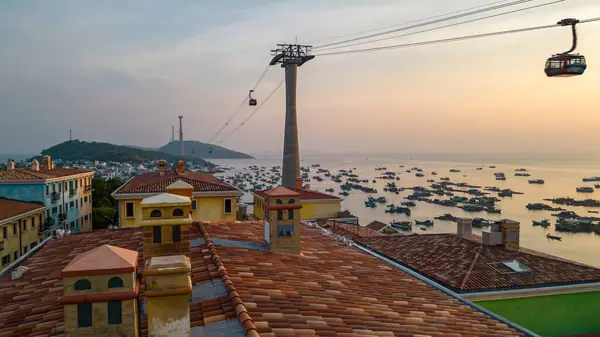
(198, 149)
(80, 150)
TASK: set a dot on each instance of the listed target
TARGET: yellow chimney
(180, 166)
(35, 165)
(168, 292)
(162, 166)
(10, 165)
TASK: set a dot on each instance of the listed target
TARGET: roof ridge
(468, 273)
(241, 311)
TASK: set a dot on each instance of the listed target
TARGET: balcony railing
(55, 196)
(88, 188)
(48, 223)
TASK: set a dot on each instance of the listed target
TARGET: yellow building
(20, 224)
(315, 205)
(211, 199)
(282, 220)
(100, 291)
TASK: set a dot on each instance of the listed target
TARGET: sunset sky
(122, 71)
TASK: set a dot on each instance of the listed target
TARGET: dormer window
(156, 213)
(115, 282)
(83, 285)
(279, 201)
(177, 212)
(292, 201)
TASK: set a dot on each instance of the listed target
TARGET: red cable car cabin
(565, 65)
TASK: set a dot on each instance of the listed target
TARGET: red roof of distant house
(281, 191)
(467, 265)
(153, 182)
(328, 290)
(304, 194)
(43, 173)
(376, 225)
(10, 208)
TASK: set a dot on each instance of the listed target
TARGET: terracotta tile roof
(376, 225)
(281, 191)
(304, 194)
(102, 260)
(10, 207)
(334, 290)
(329, 290)
(153, 182)
(466, 265)
(30, 305)
(29, 174)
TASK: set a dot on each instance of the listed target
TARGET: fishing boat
(344, 193)
(536, 181)
(454, 170)
(553, 237)
(596, 185)
(591, 179)
(419, 175)
(585, 189)
(492, 166)
(409, 204)
(480, 222)
(330, 190)
(519, 174)
(434, 173)
(402, 225)
(544, 223)
(427, 223)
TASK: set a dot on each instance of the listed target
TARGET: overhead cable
(254, 112)
(446, 26)
(460, 38)
(413, 21)
(458, 16)
(243, 104)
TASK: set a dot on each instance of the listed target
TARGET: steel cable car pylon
(566, 64)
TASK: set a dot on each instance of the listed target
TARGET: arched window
(279, 202)
(292, 201)
(177, 212)
(290, 214)
(279, 214)
(83, 285)
(115, 282)
(156, 213)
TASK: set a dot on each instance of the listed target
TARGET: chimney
(162, 165)
(51, 164)
(180, 166)
(10, 165)
(46, 162)
(35, 165)
(464, 227)
(168, 293)
(510, 233)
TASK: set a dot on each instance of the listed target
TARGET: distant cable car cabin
(566, 64)
(251, 101)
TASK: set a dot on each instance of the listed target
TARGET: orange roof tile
(153, 182)
(10, 208)
(105, 259)
(376, 225)
(304, 194)
(29, 174)
(329, 290)
(281, 191)
(466, 265)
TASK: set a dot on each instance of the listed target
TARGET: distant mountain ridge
(198, 149)
(81, 150)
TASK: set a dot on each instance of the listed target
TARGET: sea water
(561, 179)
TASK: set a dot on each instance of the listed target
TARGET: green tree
(104, 206)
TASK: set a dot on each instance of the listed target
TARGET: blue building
(66, 192)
